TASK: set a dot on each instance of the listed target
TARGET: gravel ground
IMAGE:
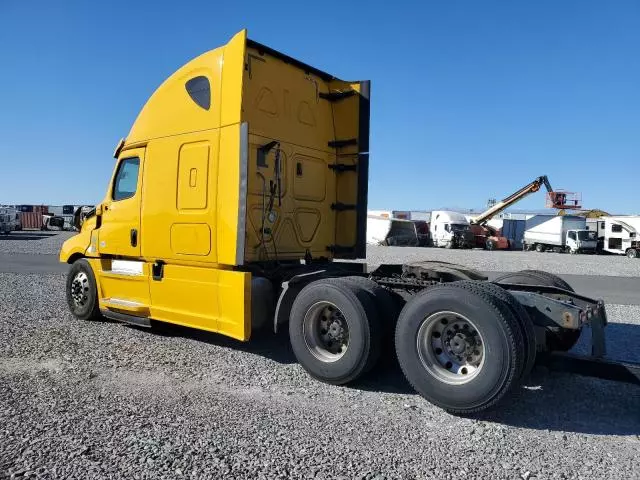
(507, 261)
(33, 242)
(104, 400)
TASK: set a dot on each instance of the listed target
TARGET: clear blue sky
(470, 99)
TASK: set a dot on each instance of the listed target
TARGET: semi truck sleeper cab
(237, 196)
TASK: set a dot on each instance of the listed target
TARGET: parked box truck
(559, 233)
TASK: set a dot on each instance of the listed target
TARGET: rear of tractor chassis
(464, 345)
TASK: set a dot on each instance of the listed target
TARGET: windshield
(459, 227)
(584, 235)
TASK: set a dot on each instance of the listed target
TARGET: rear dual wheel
(558, 339)
(335, 330)
(464, 346)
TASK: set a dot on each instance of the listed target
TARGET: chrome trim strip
(242, 197)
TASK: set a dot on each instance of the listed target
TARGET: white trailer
(559, 233)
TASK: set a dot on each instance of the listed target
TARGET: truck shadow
(548, 400)
(275, 347)
(569, 403)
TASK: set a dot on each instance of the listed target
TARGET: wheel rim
(80, 289)
(450, 347)
(326, 332)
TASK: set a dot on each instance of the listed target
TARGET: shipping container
(31, 220)
(33, 208)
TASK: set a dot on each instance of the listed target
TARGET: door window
(126, 180)
(572, 235)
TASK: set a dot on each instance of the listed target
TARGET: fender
(290, 288)
(83, 244)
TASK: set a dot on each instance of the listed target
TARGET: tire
(524, 320)
(632, 253)
(355, 309)
(386, 301)
(388, 304)
(82, 292)
(539, 248)
(417, 334)
(490, 245)
(558, 339)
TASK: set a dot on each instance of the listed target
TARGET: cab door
(119, 233)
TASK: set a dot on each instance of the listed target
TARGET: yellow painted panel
(160, 191)
(171, 111)
(186, 296)
(307, 221)
(232, 76)
(121, 217)
(234, 297)
(190, 238)
(134, 288)
(311, 186)
(193, 176)
(204, 298)
(286, 238)
(281, 101)
(309, 181)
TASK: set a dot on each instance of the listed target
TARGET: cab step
(125, 318)
(128, 306)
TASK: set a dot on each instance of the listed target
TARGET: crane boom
(513, 198)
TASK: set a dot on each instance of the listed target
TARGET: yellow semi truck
(235, 200)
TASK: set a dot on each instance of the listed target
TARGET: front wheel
(632, 253)
(459, 348)
(82, 292)
(539, 248)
